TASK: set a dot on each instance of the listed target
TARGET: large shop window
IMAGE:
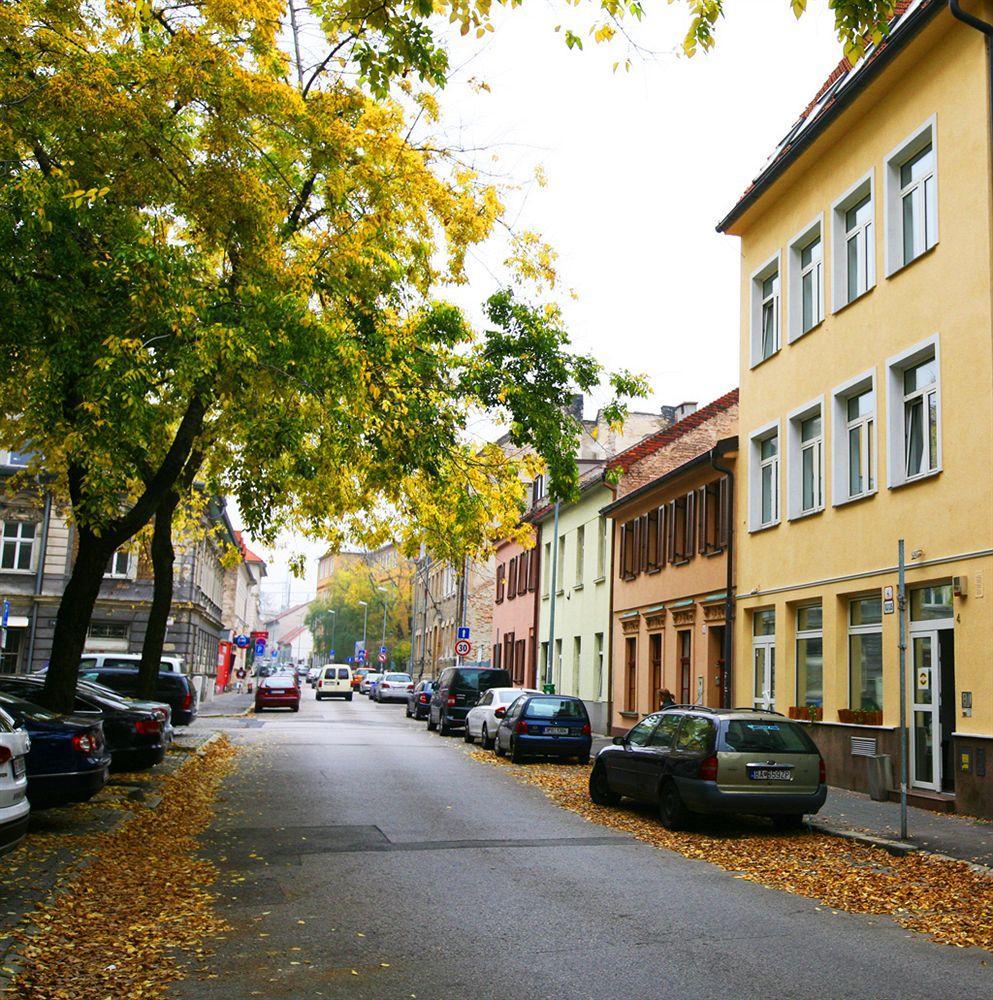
(810, 655)
(865, 654)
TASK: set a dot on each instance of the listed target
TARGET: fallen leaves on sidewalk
(116, 929)
(946, 899)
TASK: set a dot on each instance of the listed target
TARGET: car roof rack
(697, 708)
(761, 711)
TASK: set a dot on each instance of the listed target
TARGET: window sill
(654, 570)
(713, 552)
(855, 499)
(559, 593)
(851, 302)
(806, 514)
(762, 361)
(577, 586)
(763, 527)
(796, 339)
(630, 715)
(19, 572)
(544, 597)
(903, 267)
(923, 477)
(600, 579)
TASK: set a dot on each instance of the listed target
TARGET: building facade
(867, 413)
(515, 609)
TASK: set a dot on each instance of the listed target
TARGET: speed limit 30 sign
(462, 647)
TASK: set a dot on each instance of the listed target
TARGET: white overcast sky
(640, 166)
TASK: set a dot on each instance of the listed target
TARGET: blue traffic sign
(351, 659)
(463, 632)
(382, 649)
(260, 647)
(331, 654)
(6, 614)
(242, 641)
(274, 653)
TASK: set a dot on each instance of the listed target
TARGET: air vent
(863, 746)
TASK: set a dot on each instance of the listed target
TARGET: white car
(367, 679)
(334, 681)
(485, 715)
(394, 687)
(98, 661)
(14, 807)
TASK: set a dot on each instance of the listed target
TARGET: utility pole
(464, 610)
(902, 606)
(553, 584)
(424, 628)
(334, 622)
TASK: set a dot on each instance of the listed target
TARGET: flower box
(811, 713)
(860, 716)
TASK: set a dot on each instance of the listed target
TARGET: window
(695, 734)
(765, 311)
(512, 579)
(16, 459)
(806, 460)
(712, 506)
(601, 549)
(764, 478)
(558, 662)
(638, 736)
(665, 732)
(560, 568)
(577, 657)
(630, 674)
(18, 545)
(933, 603)
(107, 630)
(854, 269)
(855, 439)
(911, 199)
(501, 581)
(580, 553)
(865, 654)
(655, 666)
(682, 520)
(546, 569)
(810, 655)
(684, 641)
(914, 414)
(806, 281)
(598, 662)
(628, 567)
(119, 566)
(764, 658)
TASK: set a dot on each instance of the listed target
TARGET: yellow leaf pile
(117, 928)
(946, 899)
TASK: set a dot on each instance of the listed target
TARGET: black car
(545, 725)
(458, 689)
(176, 690)
(68, 761)
(133, 736)
(688, 759)
(419, 699)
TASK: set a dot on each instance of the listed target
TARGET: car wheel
(516, 755)
(348, 697)
(788, 824)
(672, 811)
(432, 725)
(485, 740)
(600, 790)
(320, 697)
(407, 710)
(443, 727)
(583, 758)
(497, 748)
(296, 708)
(467, 736)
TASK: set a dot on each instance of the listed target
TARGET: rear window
(555, 708)
(479, 680)
(343, 673)
(6, 722)
(761, 736)
(398, 677)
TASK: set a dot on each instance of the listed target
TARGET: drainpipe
(729, 607)
(552, 584)
(39, 580)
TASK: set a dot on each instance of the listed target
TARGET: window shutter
(533, 570)
(703, 511)
(501, 572)
(635, 546)
(662, 515)
(671, 530)
(524, 572)
(690, 525)
(643, 563)
(723, 509)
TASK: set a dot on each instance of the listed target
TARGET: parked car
(698, 760)
(67, 760)
(134, 736)
(176, 690)
(419, 699)
(335, 681)
(312, 676)
(458, 689)
(394, 687)
(97, 661)
(545, 725)
(484, 717)
(278, 691)
(15, 810)
(357, 676)
(365, 687)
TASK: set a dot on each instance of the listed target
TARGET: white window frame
(839, 242)
(128, 573)
(896, 436)
(926, 134)
(851, 630)
(601, 549)
(840, 428)
(580, 555)
(755, 440)
(19, 542)
(7, 459)
(801, 635)
(794, 459)
(546, 569)
(796, 270)
(598, 661)
(769, 269)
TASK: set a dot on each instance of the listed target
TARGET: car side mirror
(619, 741)
(500, 712)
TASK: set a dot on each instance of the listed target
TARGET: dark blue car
(545, 725)
(68, 761)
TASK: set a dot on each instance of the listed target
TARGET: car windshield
(6, 722)
(479, 680)
(555, 708)
(767, 736)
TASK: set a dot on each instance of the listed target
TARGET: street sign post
(242, 641)
(462, 647)
(381, 657)
(3, 624)
(260, 647)
(463, 632)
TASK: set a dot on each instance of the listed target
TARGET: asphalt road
(387, 864)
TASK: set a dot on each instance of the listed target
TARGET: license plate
(556, 731)
(19, 767)
(766, 774)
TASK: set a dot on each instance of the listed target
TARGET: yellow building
(866, 413)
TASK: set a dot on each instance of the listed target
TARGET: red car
(278, 691)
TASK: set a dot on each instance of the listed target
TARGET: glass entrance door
(764, 657)
(925, 726)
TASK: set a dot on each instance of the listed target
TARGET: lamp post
(365, 622)
(334, 622)
(383, 590)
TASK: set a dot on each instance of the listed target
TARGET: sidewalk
(940, 833)
(228, 703)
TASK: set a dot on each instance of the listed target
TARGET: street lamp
(334, 621)
(383, 590)
(365, 623)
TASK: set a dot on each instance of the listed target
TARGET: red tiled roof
(832, 92)
(247, 554)
(651, 444)
(285, 640)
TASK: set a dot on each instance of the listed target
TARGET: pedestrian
(666, 699)
(240, 674)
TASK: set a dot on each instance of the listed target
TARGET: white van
(98, 661)
(334, 681)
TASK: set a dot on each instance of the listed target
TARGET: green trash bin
(548, 688)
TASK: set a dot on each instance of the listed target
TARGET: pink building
(515, 611)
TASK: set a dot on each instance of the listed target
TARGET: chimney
(673, 414)
(576, 406)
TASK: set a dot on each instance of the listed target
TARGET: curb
(898, 848)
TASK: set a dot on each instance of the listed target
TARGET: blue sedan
(545, 725)
(68, 761)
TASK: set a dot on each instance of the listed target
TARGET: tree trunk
(73, 619)
(163, 557)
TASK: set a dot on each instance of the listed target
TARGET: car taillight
(822, 772)
(521, 727)
(5, 755)
(188, 700)
(587, 731)
(85, 743)
(451, 699)
(410, 687)
(383, 686)
(147, 727)
(500, 712)
(708, 769)
(423, 699)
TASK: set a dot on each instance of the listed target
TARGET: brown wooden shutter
(690, 524)
(643, 560)
(523, 571)
(533, 569)
(671, 543)
(723, 509)
(500, 580)
(702, 536)
(662, 514)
